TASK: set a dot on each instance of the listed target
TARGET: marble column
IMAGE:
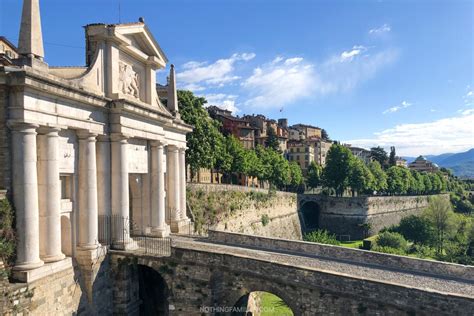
(87, 193)
(25, 195)
(120, 192)
(182, 182)
(173, 182)
(103, 176)
(158, 221)
(49, 189)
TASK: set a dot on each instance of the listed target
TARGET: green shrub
(265, 219)
(7, 233)
(391, 240)
(322, 237)
(416, 229)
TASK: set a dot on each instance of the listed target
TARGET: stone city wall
(246, 210)
(346, 215)
(342, 253)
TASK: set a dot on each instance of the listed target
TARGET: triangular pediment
(137, 36)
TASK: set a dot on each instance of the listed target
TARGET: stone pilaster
(87, 193)
(25, 196)
(49, 189)
(103, 176)
(178, 223)
(158, 223)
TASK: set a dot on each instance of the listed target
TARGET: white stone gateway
(78, 143)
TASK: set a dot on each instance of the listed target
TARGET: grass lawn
(351, 244)
(272, 305)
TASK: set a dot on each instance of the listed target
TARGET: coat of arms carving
(129, 82)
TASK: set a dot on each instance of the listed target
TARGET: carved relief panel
(129, 80)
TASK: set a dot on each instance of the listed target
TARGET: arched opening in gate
(311, 212)
(153, 292)
(263, 304)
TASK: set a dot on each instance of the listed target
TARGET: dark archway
(261, 303)
(311, 212)
(153, 292)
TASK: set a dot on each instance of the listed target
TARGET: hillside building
(421, 164)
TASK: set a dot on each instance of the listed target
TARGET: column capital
(158, 143)
(172, 148)
(22, 126)
(86, 135)
(182, 149)
(118, 137)
(103, 138)
(49, 130)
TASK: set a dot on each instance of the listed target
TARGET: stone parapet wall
(356, 255)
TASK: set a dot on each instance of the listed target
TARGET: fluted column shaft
(87, 201)
(25, 196)
(49, 189)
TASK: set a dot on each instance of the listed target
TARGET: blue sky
(369, 72)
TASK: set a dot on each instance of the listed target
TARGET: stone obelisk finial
(172, 93)
(30, 43)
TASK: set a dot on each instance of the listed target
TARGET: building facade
(81, 143)
(421, 164)
(308, 131)
(262, 125)
(302, 153)
(232, 125)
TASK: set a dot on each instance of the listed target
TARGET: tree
(255, 167)
(416, 229)
(325, 135)
(392, 160)
(336, 172)
(296, 176)
(380, 178)
(272, 140)
(427, 183)
(395, 182)
(239, 161)
(205, 142)
(313, 177)
(418, 183)
(379, 154)
(360, 178)
(441, 217)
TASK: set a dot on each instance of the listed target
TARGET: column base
(54, 258)
(130, 244)
(181, 226)
(42, 271)
(160, 232)
(28, 265)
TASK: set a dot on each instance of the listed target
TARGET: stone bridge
(211, 275)
(356, 217)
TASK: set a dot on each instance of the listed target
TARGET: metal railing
(121, 233)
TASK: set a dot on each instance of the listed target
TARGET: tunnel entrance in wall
(261, 303)
(153, 292)
(311, 212)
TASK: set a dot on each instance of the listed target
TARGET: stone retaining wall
(349, 215)
(349, 254)
(273, 215)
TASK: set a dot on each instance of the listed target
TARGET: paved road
(404, 278)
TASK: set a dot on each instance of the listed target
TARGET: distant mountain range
(462, 164)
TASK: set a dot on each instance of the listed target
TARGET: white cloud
(453, 134)
(380, 30)
(198, 76)
(280, 82)
(349, 55)
(285, 81)
(224, 101)
(469, 97)
(397, 108)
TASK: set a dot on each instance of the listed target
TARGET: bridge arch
(311, 213)
(258, 302)
(153, 291)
